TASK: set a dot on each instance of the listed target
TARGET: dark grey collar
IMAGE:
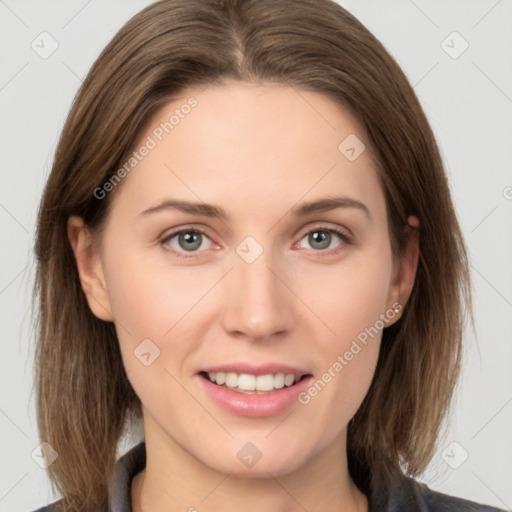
(408, 495)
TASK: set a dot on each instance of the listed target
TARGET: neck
(175, 480)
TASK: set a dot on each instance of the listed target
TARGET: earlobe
(405, 272)
(90, 269)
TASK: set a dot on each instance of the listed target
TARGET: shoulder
(48, 508)
(419, 496)
(126, 468)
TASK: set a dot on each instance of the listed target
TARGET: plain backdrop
(457, 54)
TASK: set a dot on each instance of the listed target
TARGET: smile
(252, 384)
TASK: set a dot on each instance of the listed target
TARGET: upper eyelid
(345, 238)
(301, 231)
(325, 227)
(183, 229)
(340, 231)
(165, 239)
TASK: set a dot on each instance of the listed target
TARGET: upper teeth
(248, 382)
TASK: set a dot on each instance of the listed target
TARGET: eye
(186, 241)
(321, 239)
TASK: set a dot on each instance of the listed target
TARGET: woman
(239, 243)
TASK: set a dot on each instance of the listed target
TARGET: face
(247, 247)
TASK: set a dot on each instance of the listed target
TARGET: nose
(258, 304)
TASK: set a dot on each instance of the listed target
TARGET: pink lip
(252, 405)
(271, 368)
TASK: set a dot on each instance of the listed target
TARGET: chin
(252, 462)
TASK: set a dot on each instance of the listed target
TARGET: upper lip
(252, 369)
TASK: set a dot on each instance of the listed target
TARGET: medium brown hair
(83, 394)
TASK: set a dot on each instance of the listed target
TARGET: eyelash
(344, 237)
(164, 241)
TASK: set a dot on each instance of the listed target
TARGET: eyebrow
(204, 209)
(208, 210)
(328, 204)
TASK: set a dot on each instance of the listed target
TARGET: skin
(257, 151)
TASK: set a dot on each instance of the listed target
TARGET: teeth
(248, 382)
(289, 380)
(264, 382)
(231, 380)
(219, 377)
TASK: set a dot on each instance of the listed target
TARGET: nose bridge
(258, 304)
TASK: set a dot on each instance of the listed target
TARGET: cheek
(150, 300)
(350, 301)
(159, 310)
(157, 326)
(348, 298)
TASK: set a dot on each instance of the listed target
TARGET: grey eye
(188, 241)
(319, 239)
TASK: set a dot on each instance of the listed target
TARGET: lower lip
(254, 405)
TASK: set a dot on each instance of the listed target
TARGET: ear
(90, 268)
(404, 272)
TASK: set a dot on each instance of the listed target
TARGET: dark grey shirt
(409, 496)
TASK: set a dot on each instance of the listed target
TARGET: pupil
(322, 239)
(190, 241)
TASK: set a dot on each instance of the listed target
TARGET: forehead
(245, 144)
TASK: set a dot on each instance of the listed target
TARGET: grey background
(468, 100)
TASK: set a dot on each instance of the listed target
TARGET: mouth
(253, 384)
